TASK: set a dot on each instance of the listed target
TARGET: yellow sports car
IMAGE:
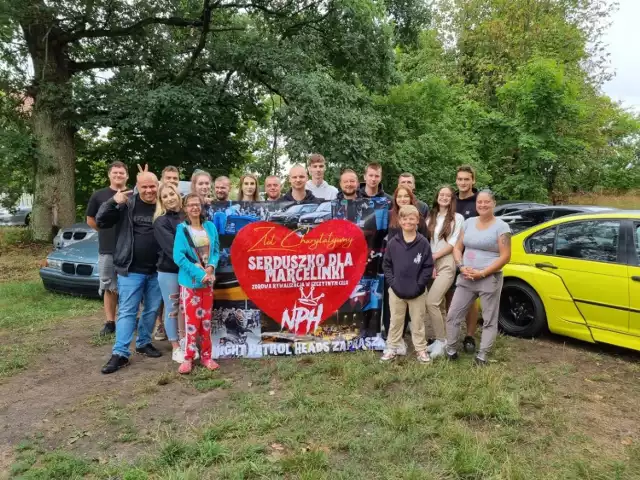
(578, 276)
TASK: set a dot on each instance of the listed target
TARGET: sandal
(423, 357)
(209, 364)
(185, 367)
(388, 356)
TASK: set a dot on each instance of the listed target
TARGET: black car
(315, 218)
(523, 219)
(508, 208)
(290, 217)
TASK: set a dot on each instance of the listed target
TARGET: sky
(623, 39)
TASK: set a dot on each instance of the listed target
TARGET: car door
(634, 282)
(563, 316)
(591, 260)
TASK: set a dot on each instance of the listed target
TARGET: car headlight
(318, 220)
(55, 264)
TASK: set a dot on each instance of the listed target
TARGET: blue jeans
(133, 289)
(171, 299)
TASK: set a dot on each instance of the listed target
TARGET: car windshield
(325, 207)
(295, 208)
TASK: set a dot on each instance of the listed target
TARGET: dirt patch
(596, 387)
(65, 402)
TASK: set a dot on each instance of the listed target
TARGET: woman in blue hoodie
(196, 251)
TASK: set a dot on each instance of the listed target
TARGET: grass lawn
(346, 416)
(629, 201)
(28, 314)
(542, 410)
(27, 311)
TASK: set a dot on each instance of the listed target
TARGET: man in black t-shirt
(135, 258)
(107, 243)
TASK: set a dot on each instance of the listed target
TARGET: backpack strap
(193, 246)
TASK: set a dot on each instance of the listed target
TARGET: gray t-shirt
(481, 246)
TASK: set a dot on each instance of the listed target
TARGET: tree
(426, 132)
(173, 79)
(536, 67)
(550, 129)
(495, 37)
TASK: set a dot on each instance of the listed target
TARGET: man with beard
(221, 188)
(135, 259)
(349, 190)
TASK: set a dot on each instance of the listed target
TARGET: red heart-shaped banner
(299, 281)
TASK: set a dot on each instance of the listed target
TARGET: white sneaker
(434, 344)
(402, 349)
(437, 348)
(177, 355)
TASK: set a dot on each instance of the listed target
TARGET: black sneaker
(108, 329)
(452, 356)
(478, 362)
(115, 363)
(149, 350)
(469, 344)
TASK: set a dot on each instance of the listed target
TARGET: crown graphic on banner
(308, 299)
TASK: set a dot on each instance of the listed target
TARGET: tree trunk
(54, 202)
(54, 199)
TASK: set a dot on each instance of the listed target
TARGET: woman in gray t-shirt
(483, 248)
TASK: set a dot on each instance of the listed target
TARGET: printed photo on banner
(237, 330)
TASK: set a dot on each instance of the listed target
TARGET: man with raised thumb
(135, 259)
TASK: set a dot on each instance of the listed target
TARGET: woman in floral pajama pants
(196, 251)
(197, 304)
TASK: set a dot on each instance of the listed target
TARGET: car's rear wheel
(521, 310)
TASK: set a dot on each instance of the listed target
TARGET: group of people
(423, 256)
(159, 252)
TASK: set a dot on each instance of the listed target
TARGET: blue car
(73, 269)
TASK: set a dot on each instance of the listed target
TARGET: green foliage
(511, 86)
(336, 119)
(539, 125)
(175, 82)
(426, 131)
(17, 152)
(535, 69)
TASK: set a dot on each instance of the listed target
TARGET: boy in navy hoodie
(408, 266)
